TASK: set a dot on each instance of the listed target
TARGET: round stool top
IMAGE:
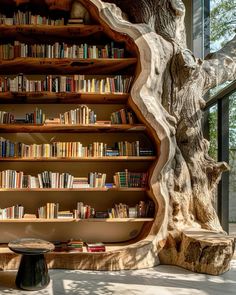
(31, 246)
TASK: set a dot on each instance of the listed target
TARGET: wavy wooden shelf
(62, 97)
(41, 31)
(92, 189)
(63, 66)
(28, 128)
(66, 220)
(80, 159)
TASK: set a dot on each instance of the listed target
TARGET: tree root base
(200, 251)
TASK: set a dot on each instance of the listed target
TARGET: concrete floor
(162, 280)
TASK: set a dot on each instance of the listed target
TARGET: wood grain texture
(62, 98)
(63, 66)
(81, 159)
(28, 128)
(45, 31)
(90, 189)
(68, 220)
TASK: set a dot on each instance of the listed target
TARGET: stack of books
(75, 246)
(95, 247)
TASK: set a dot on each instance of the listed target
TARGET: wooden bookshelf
(19, 31)
(66, 66)
(116, 231)
(68, 220)
(62, 98)
(28, 128)
(81, 159)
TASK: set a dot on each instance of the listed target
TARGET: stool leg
(32, 273)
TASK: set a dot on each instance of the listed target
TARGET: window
(221, 101)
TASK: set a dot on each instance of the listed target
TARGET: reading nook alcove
(101, 141)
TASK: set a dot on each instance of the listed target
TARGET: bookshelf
(116, 231)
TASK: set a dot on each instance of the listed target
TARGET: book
(75, 21)
(75, 246)
(101, 214)
(96, 247)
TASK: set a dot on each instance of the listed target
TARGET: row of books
(74, 246)
(9, 149)
(130, 179)
(123, 116)
(48, 179)
(81, 115)
(83, 211)
(28, 18)
(75, 83)
(57, 50)
(36, 117)
(50, 211)
(141, 210)
(13, 212)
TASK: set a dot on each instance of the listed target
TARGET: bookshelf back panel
(53, 111)
(88, 232)
(78, 169)
(68, 200)
(84, 138)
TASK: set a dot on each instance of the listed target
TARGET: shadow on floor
(162, 280)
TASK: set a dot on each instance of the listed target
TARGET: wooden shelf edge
(29, 128)
(63, 97)
(102, 189)
(60, 220)
(50, 61)
(64, 66)
(52, 27)
(80, 159)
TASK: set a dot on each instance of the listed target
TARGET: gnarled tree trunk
(192, 174)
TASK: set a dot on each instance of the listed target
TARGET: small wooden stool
(33, 271)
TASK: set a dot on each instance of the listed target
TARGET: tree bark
(192, 174)
(195, 175)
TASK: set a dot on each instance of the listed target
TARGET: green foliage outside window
(222, 22)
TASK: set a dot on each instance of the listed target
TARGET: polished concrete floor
(162, 280)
